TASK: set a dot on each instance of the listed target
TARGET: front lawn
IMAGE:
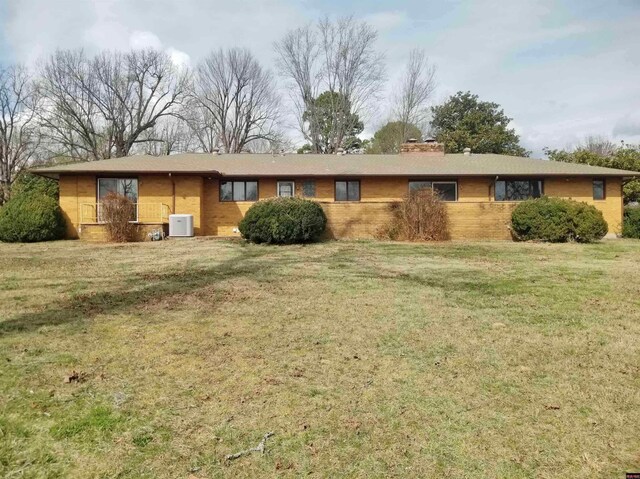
(364, 359)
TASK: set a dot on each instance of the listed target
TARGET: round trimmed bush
(544, 219)
(557, 220)
(283, 221)
(588, 223)
(631, 224)
(29, 218)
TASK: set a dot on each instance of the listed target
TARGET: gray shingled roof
(248, 165)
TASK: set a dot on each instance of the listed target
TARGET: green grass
(365, 359)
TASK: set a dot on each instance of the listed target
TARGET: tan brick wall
(154, 189)
(69, 204)
(431, 148)
(356, 220)
(474, 215)
(221, 217)
(75, 191)
(581, 189)
(189, 200)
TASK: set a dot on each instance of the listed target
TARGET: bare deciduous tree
(338, 57)
(278, 144)
(201, 125)
(414, 92)
(18, 134)
(600, 145)
(100, 107)
(169, 135)
(235, 101)
(298, 54)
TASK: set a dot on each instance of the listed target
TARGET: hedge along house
(355, 191)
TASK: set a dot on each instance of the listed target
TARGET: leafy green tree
(463, 121)
(625, 157)
(333, 119)
(388, 138)
(306, 148)
(30, 184)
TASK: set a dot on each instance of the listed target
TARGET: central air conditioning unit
(180, 225)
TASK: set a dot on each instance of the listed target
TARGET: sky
(562, 69)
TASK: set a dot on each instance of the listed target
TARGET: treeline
(330, 79)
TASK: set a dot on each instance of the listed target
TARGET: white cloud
(179, 58)
(384, 21)
(142, 40)
(628, 125)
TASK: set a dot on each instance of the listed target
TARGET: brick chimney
(429, 147)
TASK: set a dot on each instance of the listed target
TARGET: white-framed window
(447, 190)
(127, 187)
(122, 186)
(286, 189)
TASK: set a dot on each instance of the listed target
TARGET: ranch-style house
(355, 191)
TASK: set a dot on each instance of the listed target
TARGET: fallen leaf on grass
(75, 377)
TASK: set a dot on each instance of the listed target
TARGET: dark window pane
(309, 188)
(106, 186)
(446, 191)
(598, 189)
(536, 189)
(518, 190)
(341, 191)
(238, 191)
(122, 186)
(226, 191)
(419, 185)
(501, 190)
(128, 187)
(353, 191)
(252, 191)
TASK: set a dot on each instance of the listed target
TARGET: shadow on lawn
(154, 287)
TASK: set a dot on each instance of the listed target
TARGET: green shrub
(545, 219)
(631, 224)
(557, 220)
(588, 223)
(283, 221)
(28, 183)
(31, 217)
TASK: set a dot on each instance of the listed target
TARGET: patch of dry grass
(366, 359)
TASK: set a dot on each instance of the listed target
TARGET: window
(419, 185)
(122, 186)
(286, 189)
(518, 190)
(599, 189)
(348, 190)
(237, 190)
(447, 190)
(309, 188)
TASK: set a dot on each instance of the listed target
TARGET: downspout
(173, 195)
